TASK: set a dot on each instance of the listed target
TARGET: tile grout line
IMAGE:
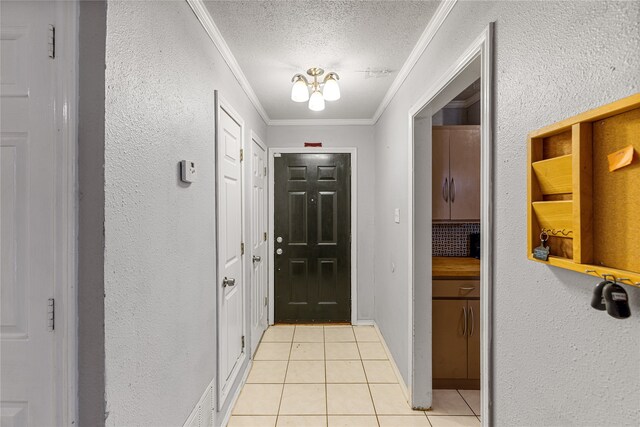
(326, 386)
(286, 371)
(373, 403)
(467, 403)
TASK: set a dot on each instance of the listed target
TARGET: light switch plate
(396, 215)
(188, 171)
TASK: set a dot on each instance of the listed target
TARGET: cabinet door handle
(470, 288)
(473, 321)
(464, 311)
(445, 190)
(452, 191)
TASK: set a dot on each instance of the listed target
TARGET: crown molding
(322, 122)
(427, 35)
(466, 103)
(203, 15)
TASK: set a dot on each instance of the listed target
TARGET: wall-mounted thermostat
(188, 171)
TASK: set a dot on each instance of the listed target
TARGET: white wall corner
(205, 18)
(394, 366)
(427, 35)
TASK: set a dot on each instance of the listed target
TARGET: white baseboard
(365, 322)
(227, 415)
(202, 414)
(403, 385)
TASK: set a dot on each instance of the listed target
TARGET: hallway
(314, 375)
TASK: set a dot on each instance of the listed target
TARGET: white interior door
(27, 215)
(230, 266)
(258, 241)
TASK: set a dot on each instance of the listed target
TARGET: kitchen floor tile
(342, 351)
(379, 371)
(267, 372)
(278, 333)
(353, 421)
(305, 371)
(472, 397)
(404, 420)
(389, 400)
(449, 402)
(258, 399)
(349, 399)
(307, 351)
(302, 421)
(454, 421)
(273, 351)
(303, 399)
(345, 371)
(366, 334)
(372, 351)
(252, 421)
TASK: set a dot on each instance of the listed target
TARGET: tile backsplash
(452, 239)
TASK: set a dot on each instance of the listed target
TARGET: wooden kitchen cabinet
(456, 173)
(473, 340)
(456, 334)
(449, 341)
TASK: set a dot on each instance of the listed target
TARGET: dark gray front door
(312, 238)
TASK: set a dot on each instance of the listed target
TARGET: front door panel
(313, 238)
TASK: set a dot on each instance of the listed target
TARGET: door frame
(220, 103)
(255, 138)
(354, 220)
(420, 350)
(66, 276)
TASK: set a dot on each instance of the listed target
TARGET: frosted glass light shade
(316, 102)
(331, 90)
(299, 91)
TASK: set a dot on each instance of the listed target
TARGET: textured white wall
(360, 137)
(161, 73)
(557, 361)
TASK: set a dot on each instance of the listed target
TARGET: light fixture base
(315, 71)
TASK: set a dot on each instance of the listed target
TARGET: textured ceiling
(273, 40)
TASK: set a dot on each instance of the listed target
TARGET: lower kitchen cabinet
(473, 341)
(456, 343)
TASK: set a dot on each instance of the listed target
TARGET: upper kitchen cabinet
(456, 173)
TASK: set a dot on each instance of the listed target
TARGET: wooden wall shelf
(594, 213)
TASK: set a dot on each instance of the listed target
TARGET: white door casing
(259, 250)
(276, 151)
(419, 360)
(231, 328)
(28, 207)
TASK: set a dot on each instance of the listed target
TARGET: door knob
(257, 258)
(228, 282)
(279, 251)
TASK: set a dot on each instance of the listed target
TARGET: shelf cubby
(594, 214)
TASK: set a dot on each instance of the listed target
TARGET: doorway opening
(450, 145)
(312, 213)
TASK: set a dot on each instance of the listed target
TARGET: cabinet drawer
(456, 289)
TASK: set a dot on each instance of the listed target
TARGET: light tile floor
(337, 376)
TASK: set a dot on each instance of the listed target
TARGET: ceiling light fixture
(327, 90)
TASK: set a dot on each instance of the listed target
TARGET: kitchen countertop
(456, 267)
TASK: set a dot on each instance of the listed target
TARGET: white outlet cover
(396, 215)
(188, 171)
